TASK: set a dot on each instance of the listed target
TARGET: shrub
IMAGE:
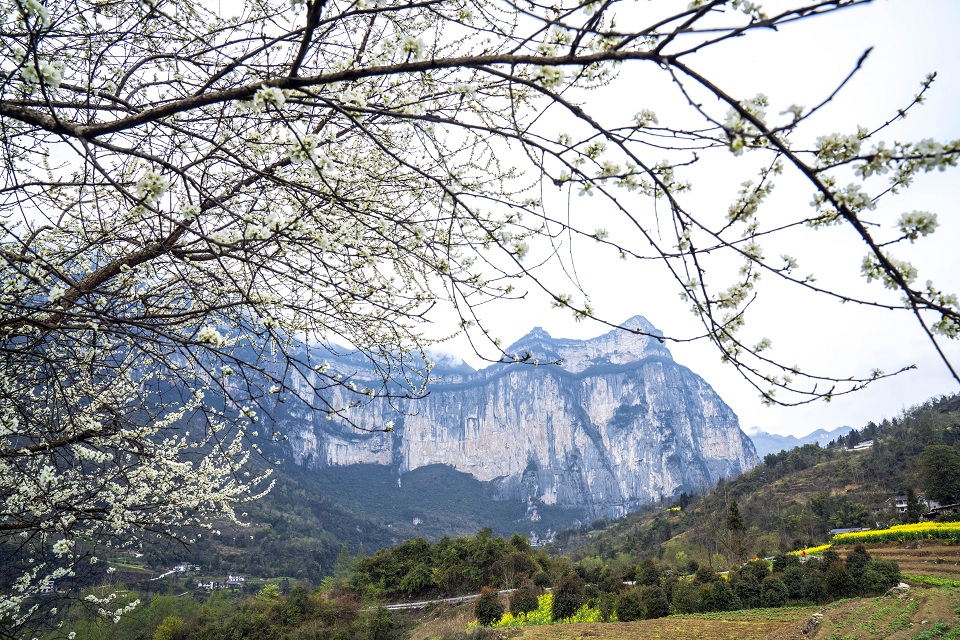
(629, 606)
(758, 569)
(857, 560)
(382, 626)
(813, 587)
(488, 609)
(523, 601)
(705, 575)
(686, 598)
(793, 579)
(655, 604)
(782, 562)
(747, 589)
(773, 592)
(567, 597)
(838, 582)
(878, 576)
(541, 580)
(648, 573)
(718, 596)
(172, 628)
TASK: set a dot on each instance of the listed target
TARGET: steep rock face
(616, 425)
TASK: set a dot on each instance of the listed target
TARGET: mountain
(766, 443)
(616, 425)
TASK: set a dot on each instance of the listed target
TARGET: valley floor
(924, 613)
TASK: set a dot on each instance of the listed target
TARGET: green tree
(648, 573)
(793, 579)
(629, 606)
(736, 529)
(773, 592)
(838, 582)
(686, 597)
(542, 581)
(718, 596)
(523, 601)
(344, 565)
(567, 597)
(878, 576)
(172, 628)
(655, 603)
(914, 506)
(747, 588)
(939, 473)
(381, 626)
(856, 561)
(488, 608)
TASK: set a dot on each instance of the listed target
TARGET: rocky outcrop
(617, 424)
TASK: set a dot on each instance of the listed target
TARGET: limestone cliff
(616, 425)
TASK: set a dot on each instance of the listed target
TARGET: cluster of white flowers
(36, 72)
(62, 547)
(751, 9)
(35, 9)
(413, 47)
(151, 187)
(749, 201)
(873, 270)
(739, 129)
(836, 148)
(917, 223)
(57, 291)
(47, 476)
(465, 89)
(645, 118)
(549, 76)
(302, 148)
(353, 98)
(264, 96)
(209, 335)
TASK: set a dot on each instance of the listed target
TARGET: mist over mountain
(616, 425)
(766, 443)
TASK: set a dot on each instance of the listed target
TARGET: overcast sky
(800, 65)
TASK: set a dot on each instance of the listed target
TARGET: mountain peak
(641, 324)
(537, 333)
(619, 346)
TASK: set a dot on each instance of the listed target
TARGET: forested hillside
(796, 497)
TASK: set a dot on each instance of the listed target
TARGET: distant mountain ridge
(772, 443)
(618, 424)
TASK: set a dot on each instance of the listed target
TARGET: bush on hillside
(838, 583)
(782, 562)
(857, 559)
(567, 597)
(878, 576)
(773, 592)
(718, 596)
(655, 604)
(542, 580)
(747, 588)
(629, 606)
(522, 601)
(793, 579)
(686, 598)
(488, 609)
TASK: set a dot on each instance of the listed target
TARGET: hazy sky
(800, 65)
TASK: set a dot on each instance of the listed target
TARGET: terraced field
(929, 557)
